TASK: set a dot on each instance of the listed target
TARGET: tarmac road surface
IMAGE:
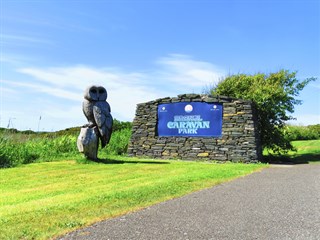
(281, 202)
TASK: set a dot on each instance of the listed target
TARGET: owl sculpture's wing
(104, 121)
(87, 108)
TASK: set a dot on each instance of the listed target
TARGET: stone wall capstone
(239, 141)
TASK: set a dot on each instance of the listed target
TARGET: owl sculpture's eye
(95, 93)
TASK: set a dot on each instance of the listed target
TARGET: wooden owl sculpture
(97, 111)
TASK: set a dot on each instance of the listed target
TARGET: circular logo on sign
(188, 108)
(214, 106)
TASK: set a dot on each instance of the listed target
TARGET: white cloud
(173, 75)
(7, 90)
(54, 91)
(184, 70)
(79, 77)
(316, 85)
(8, 39)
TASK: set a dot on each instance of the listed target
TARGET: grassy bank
(22, 148)
(306, 152)
(42, 200)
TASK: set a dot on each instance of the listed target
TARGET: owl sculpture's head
(96, 93)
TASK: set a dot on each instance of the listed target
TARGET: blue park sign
(190, 119)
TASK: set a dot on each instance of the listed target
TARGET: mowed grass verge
(307, 151)
(43, 200)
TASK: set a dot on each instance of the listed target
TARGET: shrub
(118, 125)
(54, 147)
(293, 133)
(118, 144)
(18, 149)
(13, 153)
(27, 147)
(275, 96)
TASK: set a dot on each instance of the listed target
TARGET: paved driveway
(282, 202)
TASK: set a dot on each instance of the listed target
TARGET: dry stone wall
(239, 141)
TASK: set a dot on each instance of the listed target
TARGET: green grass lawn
(307, 147)
(43, 200)
(308, 151)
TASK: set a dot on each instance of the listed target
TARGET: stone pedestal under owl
(97, 111)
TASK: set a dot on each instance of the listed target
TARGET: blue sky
(140, 50)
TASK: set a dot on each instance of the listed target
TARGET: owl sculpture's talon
(89, 125)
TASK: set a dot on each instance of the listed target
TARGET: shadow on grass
(293, 159)
(116, 161)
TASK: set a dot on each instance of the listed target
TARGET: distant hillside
(117, 125)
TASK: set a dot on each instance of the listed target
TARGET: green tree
(274, 95)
